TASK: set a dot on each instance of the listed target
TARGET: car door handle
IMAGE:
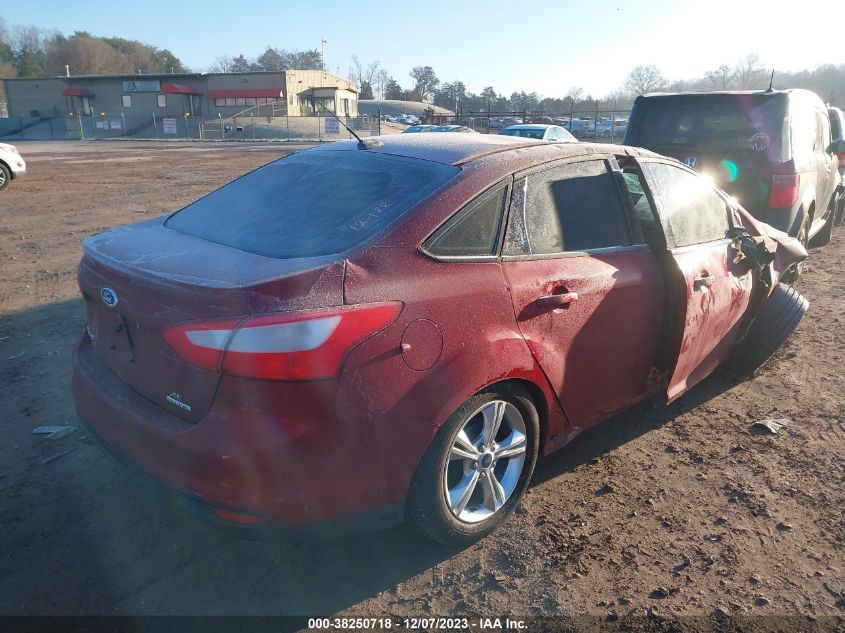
(551, 302)
(705, 281)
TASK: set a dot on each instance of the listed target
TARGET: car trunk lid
(141, 279)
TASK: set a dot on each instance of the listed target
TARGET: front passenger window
(690, 209)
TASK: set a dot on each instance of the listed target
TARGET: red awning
(180, 89)
(77, 92)
(270, 93)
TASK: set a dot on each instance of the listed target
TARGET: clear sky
(516, 45)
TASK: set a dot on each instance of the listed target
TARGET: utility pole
(322, 60)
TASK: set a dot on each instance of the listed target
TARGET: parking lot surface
(676, 512)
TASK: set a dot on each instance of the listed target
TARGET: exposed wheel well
(537, 398)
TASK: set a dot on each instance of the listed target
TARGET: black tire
(778, 317)
(426, 506)
(5, 176)
(839, 216)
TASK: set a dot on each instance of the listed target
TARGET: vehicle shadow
(625, 427)
(90, 539)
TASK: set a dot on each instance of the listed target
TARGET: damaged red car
(363, 333)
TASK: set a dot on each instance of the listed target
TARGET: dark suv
(770, 150)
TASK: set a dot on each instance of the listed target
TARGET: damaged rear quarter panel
(470, 304)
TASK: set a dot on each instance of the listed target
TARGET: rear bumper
(362, 523)
(294, 475)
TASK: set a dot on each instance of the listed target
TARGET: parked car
(418, 128)
(771, 150)
(443, 314)
(12, 165)
(452, 128)
(579, 127)
(837, 133)
(550, 133)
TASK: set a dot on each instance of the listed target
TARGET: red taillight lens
(201, 344)
(288, 346)
(784, 191)
(841, 158)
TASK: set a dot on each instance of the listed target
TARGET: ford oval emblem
(109, 297)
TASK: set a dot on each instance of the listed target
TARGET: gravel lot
(678, 512)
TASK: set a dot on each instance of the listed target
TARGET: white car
(541, 132)
(12, 164)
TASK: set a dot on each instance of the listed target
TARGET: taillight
(841, 158)
(784, 191)
(286, 346)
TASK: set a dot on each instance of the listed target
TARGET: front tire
(477, 468)
(5, 176)
(778, 317)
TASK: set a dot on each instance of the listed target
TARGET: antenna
(771, 81)
(361, 143)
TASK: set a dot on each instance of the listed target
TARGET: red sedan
(361, 333)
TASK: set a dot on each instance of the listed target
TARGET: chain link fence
(268, 122)
(249, 126)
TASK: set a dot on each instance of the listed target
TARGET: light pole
(322, 60)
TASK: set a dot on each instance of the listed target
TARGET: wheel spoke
(513, 445)
(493, 414)
(464, 446)
(460, 494)
(494, 494)
(458, 452)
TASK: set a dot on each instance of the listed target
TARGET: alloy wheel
(485, 461)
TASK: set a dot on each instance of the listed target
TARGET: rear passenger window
(690, 209)
(575, 207)
(474, 231)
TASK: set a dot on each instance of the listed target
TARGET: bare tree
(222, 64)
(644, 79)
(575, 94)
(356, 71)
(719, 79)
(748, 71)
(364, 77)
(383, 77)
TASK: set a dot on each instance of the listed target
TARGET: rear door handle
(551, 302)
(705, 281)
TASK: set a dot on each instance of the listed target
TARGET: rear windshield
(311, 203)
(723, 120)
(524, 132)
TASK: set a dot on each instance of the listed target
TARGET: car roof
(700, 93)
(461, 149)
(531, 126)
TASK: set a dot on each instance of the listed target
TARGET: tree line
(27, 51)
(749, 73)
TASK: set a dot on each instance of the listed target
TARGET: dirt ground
(671, 513)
